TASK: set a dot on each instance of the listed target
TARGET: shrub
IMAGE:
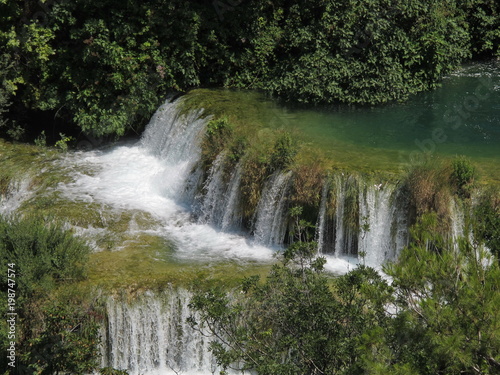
(44, 253)
(486, 221)
(56, 332)
(463, 175)
(217, 134)
(283, 153)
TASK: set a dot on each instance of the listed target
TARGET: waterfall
(214, 192)
(382, 227)
(339, 217)
(150, 335)
(172, 135)
(344, 222)
(320, 225)
(376, 215)
(232, 217)
(270, 223)
(220, 198)
(17, 192)
(197, 208)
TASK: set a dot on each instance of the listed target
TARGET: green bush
(44, 253)
(283, 153)
(486, 221)
(55, 328)
(463, 175)
(107, 71)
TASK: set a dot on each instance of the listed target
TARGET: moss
(146, 263)
(218, 134)
(252, 183)
(429, 190)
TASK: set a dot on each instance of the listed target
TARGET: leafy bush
(283, 153)
(106, 72)
(51, 330)
(439, 316)
(486, 221)
(68, 342)
(463, 176)
(44, 253)
(448, 316)
(293, 322)
(483, 18)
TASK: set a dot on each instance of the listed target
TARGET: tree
(448, 318)
(56, 326)
(298, 321)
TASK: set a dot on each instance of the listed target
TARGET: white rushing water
(200, 216)
(151, 335)
(161, 175)
(152, 176)
(16, 193)
(270, 223)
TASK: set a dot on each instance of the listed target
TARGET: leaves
(105, 66)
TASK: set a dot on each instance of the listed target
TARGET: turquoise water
(462, 117)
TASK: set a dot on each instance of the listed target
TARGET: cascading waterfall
(17, 192)
(173, 137)
(232, 217)
(219, 200)
(195, 210)
(382, 227)
(343, 241)
(163, 175)
(214, 192)
(151, 335)
(320, 224)
(270, 223)
(376, 218)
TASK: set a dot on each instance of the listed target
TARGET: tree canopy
(104, 66)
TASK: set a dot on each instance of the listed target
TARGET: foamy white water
(18, 192)
(130, 178)
(153, 176)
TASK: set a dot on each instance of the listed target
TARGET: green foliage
(449, 318)
(463, 175)
(62, 143)
(438, 316)
(41, 140)
(67, 344)
(293, 323)
(44, 253)
(4, 95)
(112, 371)
(483, 18)
(105, 65)
(426, 232)
(56, 328)
(296, 322)
(283, 153)
(486, 221)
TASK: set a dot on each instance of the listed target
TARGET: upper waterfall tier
(225, 191)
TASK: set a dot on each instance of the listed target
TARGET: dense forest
(103, 67)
